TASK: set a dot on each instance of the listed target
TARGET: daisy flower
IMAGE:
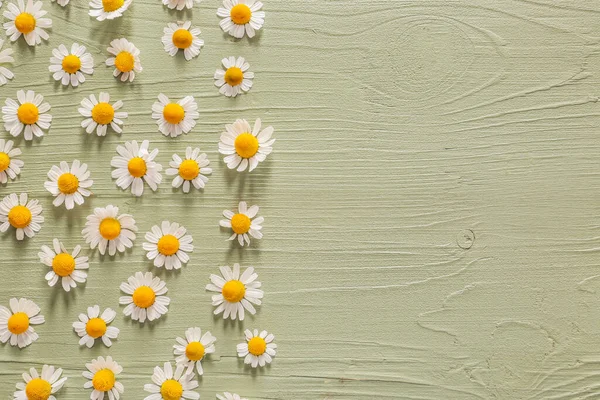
(26, 20)
(28, 114)
(102, 377)
(145, 297)
(64, 265)
(173, 119)
(126, 59)
(236, 293)
(68, 67)
(62, 3)
(69, 184)
(192, 170)
(10, 167)
(40, 386)
(169, 385)
(106, 229)
(134, 165)
(101, 114)
(242, 224)
(230, 396)
(15, 324)
(241, 16)
(180, 4)
(108, 9)
(168, 245)
(244, 147)
(5, 58)
(191, 351)
(235, 79)
(258, 349)
(23, 215)
(92, 326)
(179, 36)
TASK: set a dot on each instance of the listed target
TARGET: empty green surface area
(431, 204)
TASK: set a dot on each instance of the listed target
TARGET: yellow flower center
(240, 223)
(71, 64)
(171, 390)
(168, 245)
(68, 183)
(38, 389)
(28, 113)
(144, 297)
(233, 76)
(189, 169)
(257, 346)
(194, 351)
(19, 216)
(25, 23)
(173, 113)
(233, 291)
(110, 228)
(246, 145)
(4, 161)
(137, 167)
(63, 264)
(240, 14)
(124, 60)
(103, 380)
(95, 327)
(182, 38)
(112, 5)
(18, 323)
(103, 113)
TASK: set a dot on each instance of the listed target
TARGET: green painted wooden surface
(431, 203)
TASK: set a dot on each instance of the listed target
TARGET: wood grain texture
(431, 203)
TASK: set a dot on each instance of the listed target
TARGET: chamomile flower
(145, 297)
(173, 119)
(169, 385)
(242, 223)
(126, 59)
(68, 67)
(40, 386)
(107, 229)
(16, 322)
(101, 114)
(5, 58)
(168, 245)
(235, 78)
(244, 147)
(22, 214)
(67, 267)
(108, 9)
(258, 349)
(180, 4)
(10, 167)
(28, 114)
(62, 3)
(190, 351)
(230, 396)
(102, 377)
(181, 36)
(241, 16)
(69, 184)
(92, 326)
(190, 171)
(236, 293)
(26, 20)
(134, 165)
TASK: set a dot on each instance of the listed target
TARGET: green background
(431, 204)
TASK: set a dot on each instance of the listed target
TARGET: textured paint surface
(431, 205)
